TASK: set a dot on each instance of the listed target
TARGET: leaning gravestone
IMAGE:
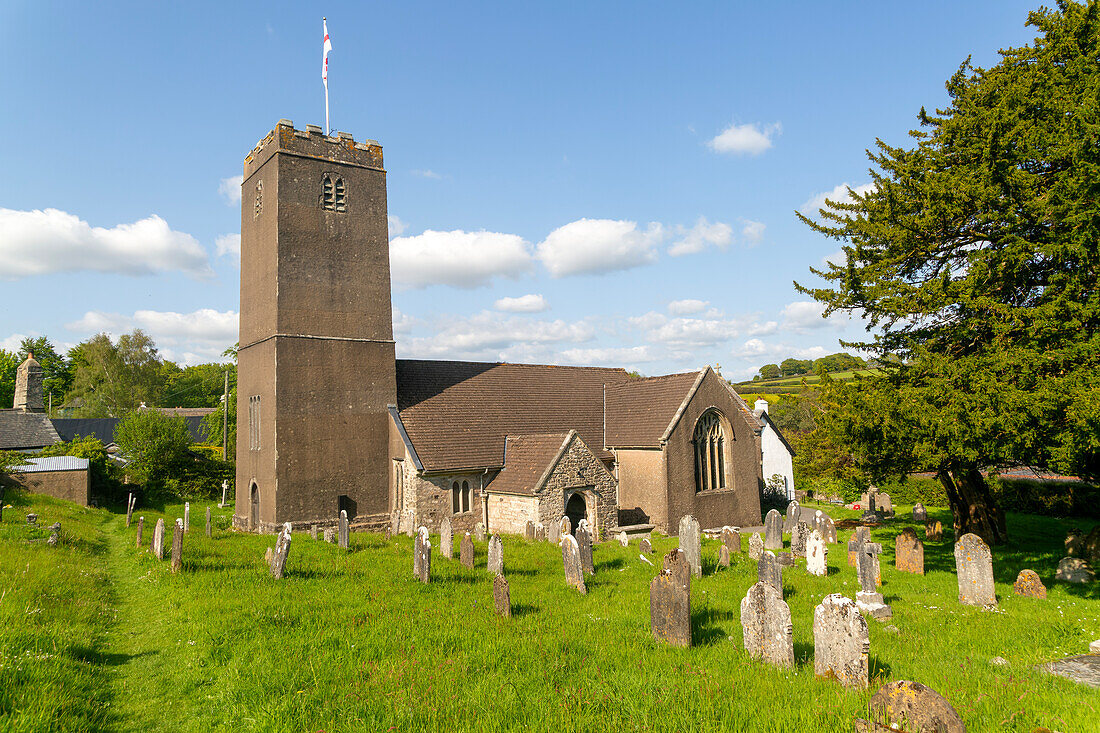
(584, 546)
(496, 555)
(773, 530)
(177, 546)
(677, 564)
(920, 514)
(691, 542)
(842, 642)
(670, 610)
(906, 705)
(571, 561)
(343, 528)
(1074, 570)
(479, 531)
(768, 570)
(282, 550)
(799, 535)
(645, 545)
(141, 528)
(974, 567)
(766, 626)
(731, 538)
(158, 540)
(723, 556)
(466, 551)
(1028, 584)
(794, 514)
(422, 556)
(909, 552)
(868, 599)
(502, 596)
(446, 539)
(756, 546)
(817, 555)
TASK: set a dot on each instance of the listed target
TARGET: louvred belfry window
(334, 194)
(710, 453)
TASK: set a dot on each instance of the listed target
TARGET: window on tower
(334, 196)
(259, 199)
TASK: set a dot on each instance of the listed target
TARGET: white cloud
(402, 322)
(12, 343)
(687, 307)
(426, 173)
(699, 236)
(753, 231)
(753, 347)
(531, 303)
(613, 357)
(230, 190)
(229, 245)
(695, 333)
(396, 226)
(838, 258)
(599, 245)
(804, 314)
(194, 337)
(42, 242)
(458, 258)
(748, 139)
(491, 336)
(839, 194)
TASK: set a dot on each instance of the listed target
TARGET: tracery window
(461, 496)
(710, 454)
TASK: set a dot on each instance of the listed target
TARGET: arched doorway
(254, 508)
(576, 509)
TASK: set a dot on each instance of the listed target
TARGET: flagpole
(324, 24)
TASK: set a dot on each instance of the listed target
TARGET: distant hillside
(793, 385)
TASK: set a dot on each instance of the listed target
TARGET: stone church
(328, 418)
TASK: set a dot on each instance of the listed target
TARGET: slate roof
(103, 428)
(527, 459)
(53, 463)
(458, 414)
(640, 411)
(26, 430)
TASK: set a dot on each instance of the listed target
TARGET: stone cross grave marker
(330, 535)
(860, 538)
(584, 546)
(691, 542)
(1028, 584)
(670, 610)
(479, 531)
(799, 535)
(868, 599)
(645, 545)
(177, 546)
(225, 489)
(773, 530)
(158, 540)
(187, 516)
(766, 626)
(723, 556)
(974, 567)
(422, 556)
(140, 530)
(756, 546)
(623, 540)
(769, 571)
(466, 551)
(817, 555)
(920, 514)
(909, 552)
(794, 513)
(496, 555)
(571, 561)
(502, 596)
(282, 550)
(342, 529)
(446, 539)
(731, 538)
(842, 642)
(209, 528)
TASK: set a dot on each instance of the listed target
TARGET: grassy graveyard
(98, 635)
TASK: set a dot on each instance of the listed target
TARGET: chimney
(28, 386)
(760, 406)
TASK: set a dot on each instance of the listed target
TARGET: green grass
(797, 381)
(96, 635)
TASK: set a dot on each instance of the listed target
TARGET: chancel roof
(640, 411)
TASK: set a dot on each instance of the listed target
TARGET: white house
(776, 454)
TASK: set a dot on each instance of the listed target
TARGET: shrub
(1047, 498)
(156, 445)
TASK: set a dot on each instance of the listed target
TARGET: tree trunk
(972, 504)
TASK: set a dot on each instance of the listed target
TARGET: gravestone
(974, 567)
(723, 556)
(330, 535)
(842, 642)
(187, 516)
(773, 530)
(342, 529)
(794, 514)
(268, 555)
(756, 546)
(408, 521)
(466, 551)
(860, 537)
(1074, 570)
(731, 538)
(933, 531)
(158, 540)
(314, 531)
(540, 532)
(395, 523)
(768, 570)
(571, 561)
(1028, 584)
(479, 531)
(909, 552)
(565, 526)
(422, 556)
(55, 534)
(446, 539)
(912, 706)
(645, 545)
(553, 531)
(766, 626)
(177, 546)
(868, 599)
(129, 506)
(502, 596)
(827, 527)
(32, 519)
(584, 546)
(623, 541)
(884, 504)
(785, 559)
(691, 542)
(140, 530)
(496, 555)
(799, 534)
(920, 514)
(817, 555)
(282, 550)
(209, 528)
(529, 531)
(676, 563)
(670, 610)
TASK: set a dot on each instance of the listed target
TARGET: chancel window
(710, 453)
(334, 195)
(461, 496)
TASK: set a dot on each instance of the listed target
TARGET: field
(792, 385)
(98, 635)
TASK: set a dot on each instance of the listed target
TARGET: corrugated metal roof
(53, 463)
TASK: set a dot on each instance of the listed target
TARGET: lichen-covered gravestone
(842, 642)
(584, 546)
(756, 546)
(909, 552)
(766, 626)
(723, 556)
(446, 539)
(158, 540)
(828, 529)
(502, 596)
(691, 542)
(670, 610)
(140, 530)
(1028, 584)
(974, 567)
(495, 562)
(1074, 570)
(731, 538)
(794, 514)
(540, 532)
(676, 563)
(799, 534)
(422, 556)
(768, 570)
(466, 551)
(920, 514)
(177, 546)
(571, 562)
(913, 706)
(817, 555)
(565, 526)
(282, 550)
(773, 530)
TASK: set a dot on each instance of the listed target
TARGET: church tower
(316, 366)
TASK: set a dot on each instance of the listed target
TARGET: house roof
(53, 463)
(103, 428)
(639, 412)
(528, 462)
(26, 430)
(185, 411)
(459, 414)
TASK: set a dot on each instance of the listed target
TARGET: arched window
(710, 453)
(334, 195)
(259, 207)
(461, 497)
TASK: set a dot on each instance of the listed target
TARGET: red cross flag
(324, 68)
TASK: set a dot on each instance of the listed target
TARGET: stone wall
(579, 470)
(433, 501)
(509, 513)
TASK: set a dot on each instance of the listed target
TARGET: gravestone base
(871, 604)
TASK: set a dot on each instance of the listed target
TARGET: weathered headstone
(933, 531)
(466, 551)
(479, 531)
(140, 530)
(553, 532)
(55, 534)
(342, 529)
(282, 550)
(756, 546)
(842, 642)
(496, 555)
(827, 527)
(723, 556)
(313, 531)
(794, 514)
(920, 514)
(422, 556)
(177, 546)
(269, 554)
(623, 540)
(817, 555)
(773, 530)
(32, 519)
(785, 559)
(158, 539)
(187, 516)
(529, 531)
(408, 521)
(731, 538)
(909, 552)
(540, 532)
(584, 546)
(446, 539)
(645, 545)
(884, 504)
(912, 706)
(565, 526)
(1074, 570)
(209, 528)
(670, 610)
(974, 567)
(571, 561)
(395, 523)
(1028, 584)
(868, 599)
(766, 626)
(768, 570)
(860, 537)
(799, 535)
(502, 596)
(691, 542)
(676, 563)
(330, 535)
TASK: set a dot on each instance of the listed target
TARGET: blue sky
(590, 183)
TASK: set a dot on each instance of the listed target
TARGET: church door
(576, 509)
(254, 509)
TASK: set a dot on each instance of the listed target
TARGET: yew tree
(974, 258)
